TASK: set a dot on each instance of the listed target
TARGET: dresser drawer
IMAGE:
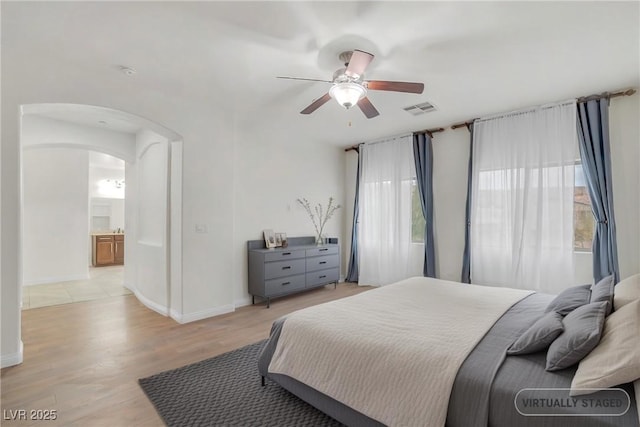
(322, 277)
(276, 269)
(284, 285)
(284, 255)
(322, 250)
(322, 262)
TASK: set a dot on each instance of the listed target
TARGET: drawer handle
(288, 267)
(286, 283)
(322, 277)
(323, 250)
(323, 262)
(286, 253)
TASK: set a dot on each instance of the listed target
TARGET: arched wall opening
(153, 156)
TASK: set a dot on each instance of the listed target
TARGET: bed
(425, 352)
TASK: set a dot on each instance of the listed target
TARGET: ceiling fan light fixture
(347, 94)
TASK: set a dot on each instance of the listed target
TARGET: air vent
(418, 109)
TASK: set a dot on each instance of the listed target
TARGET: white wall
(38, 130)
(451, 155)
(269, 177)
(450, 166)
(115, 207)
(117, 213)
(55, 227)
(131, 235)
(151, 226)
(11, 245)
(152, 187)
(625, 157)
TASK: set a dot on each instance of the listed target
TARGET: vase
(319, 240)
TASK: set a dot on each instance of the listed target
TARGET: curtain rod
(429, 132)
(468, 123)
(463, 124)
(607, 95)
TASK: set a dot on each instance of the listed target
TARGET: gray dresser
(300, 266)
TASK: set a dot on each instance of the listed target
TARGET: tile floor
(103, 282)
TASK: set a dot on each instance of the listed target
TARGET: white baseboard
(204, 314)
(243, 302)
(12, 359)
(175, 315)
(129, 286)
(45, 280)
(150, 304)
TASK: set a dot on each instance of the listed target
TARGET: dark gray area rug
(225, 391)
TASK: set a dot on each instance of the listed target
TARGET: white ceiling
(475, 58)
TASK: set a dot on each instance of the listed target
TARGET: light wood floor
(83, 360)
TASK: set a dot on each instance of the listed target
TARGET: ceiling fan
(349, 87)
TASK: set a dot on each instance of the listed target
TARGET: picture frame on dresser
(283, 239)
(269, 238)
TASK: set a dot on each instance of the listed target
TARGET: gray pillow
(603, 291)
(582, 330)
(539, 335)
(570, 299)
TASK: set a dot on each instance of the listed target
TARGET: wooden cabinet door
(119, 251)
(104, 252)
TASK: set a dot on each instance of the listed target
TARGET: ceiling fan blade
(316, 104)
(358, 63)
(301, 78)
(395, 86)
(367, 108)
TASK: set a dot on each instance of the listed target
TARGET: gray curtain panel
(593, 139)
(466, 254)
(423, 156)
(353, 271)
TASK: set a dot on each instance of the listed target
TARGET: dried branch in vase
(318, 215)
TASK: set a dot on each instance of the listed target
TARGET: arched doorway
(153, 172)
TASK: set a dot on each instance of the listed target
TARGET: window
(583, 221)
(417, 219)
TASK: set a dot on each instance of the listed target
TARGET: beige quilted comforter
(391, 353)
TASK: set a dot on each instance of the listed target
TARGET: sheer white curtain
(522, 199)
(384, 237)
